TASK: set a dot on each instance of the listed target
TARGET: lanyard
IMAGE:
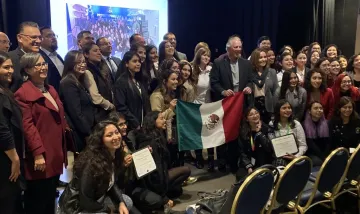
(252, 143)
(287, 127)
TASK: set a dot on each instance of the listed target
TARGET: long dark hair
(3, 57)
(70, 62)
(307, 84)
(285, 83)
(245, 129)
(277, 114)
(148, 62)
(98, 158)
(123, 70)
(344, 101)
(350, 66)
(163, 78)
(315, 130)
(161, 51)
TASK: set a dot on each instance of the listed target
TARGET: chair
(331, 172)
(291, 183)
(350, 182)
(253, 193)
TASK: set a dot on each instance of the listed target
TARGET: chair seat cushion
(307, 193)
(314, 173)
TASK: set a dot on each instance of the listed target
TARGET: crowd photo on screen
(138, 118)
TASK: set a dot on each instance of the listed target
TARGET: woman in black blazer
(11, 140)
(77, 102)
(131, 98)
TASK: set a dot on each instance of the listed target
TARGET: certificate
(284, 145)
(144, 162)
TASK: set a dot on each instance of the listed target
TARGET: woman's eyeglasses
(40, 65)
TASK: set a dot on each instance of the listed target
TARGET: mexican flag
(201, 126)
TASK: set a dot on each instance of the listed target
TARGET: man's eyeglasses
(4, 42)
(40, 65)
(33, 37)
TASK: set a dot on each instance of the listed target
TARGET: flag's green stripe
(189, 125)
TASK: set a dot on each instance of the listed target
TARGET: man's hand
(39, 164)
(247, 90)
(228, 93)
(15, 170)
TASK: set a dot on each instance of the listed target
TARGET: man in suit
(29, 39)
(55, 62)
(229, 75)
(112, 62)
(172, 39)
(83, 38)
(136, 38)
(4, 42)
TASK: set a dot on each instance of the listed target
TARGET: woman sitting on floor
(163, 183)
(254, 145)
(95, 171)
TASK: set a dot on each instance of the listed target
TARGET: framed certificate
(285, 145)
(144, 162)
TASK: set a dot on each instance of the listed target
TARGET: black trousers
(229, 153)
(147, 201)
(210, 151)
(40, 196)
(9, 196)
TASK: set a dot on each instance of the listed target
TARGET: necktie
(112, 68)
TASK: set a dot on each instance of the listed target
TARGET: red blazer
(327, 101)
(44, 129)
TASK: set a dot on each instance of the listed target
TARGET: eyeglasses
(4, 42)
(50, 36)
(40, 65)
(33, 37)
(346, 82)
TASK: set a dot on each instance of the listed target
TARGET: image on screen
(115, 20)
(115, 23)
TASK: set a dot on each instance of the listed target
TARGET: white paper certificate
(284, 145)
(144, 162)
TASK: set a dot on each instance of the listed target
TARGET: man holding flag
(229, 75)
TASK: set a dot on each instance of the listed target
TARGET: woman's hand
(15, 169)
(150, 149)
(258, 126)
(289, 157)
(170, 203)
(127, 160)
(250, 170)
(39, 163)
(173, 104)
(123, 209)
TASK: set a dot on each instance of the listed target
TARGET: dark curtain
(13, 12)
(213, 21)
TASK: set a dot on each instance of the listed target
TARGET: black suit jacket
(129, 101)
(117, 62)
(79, 109)
(11, 136)
(53, 77)
(15, 56)
(221, 76)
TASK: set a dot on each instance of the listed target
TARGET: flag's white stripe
(214, 136)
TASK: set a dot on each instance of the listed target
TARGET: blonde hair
(196, 62)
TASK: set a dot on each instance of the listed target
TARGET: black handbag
(69, 200)
(221, 201)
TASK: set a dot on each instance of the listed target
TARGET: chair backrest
(353, 170)
(332, 170)
(292, 181)
(254, 192)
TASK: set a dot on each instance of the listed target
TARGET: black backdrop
(294, 22)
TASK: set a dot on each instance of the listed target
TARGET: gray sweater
(297, 99)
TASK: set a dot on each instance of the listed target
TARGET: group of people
(104, 108)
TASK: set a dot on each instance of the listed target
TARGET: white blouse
(203, 86)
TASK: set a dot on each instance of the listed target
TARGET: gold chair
(254, 192)
(351, 180)
(290, 184)
(330, 174)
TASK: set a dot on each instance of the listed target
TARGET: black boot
(199, 164)
(211, 165)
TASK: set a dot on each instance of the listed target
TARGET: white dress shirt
(54, 58)
(203, 86)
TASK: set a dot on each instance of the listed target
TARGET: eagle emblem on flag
(212, 121)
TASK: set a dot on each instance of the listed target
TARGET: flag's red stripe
(233, 108)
